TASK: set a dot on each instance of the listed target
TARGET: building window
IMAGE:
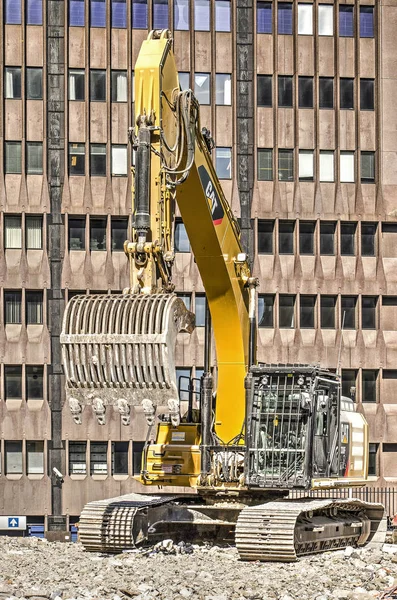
(327, 238)
(98, 159)
(34, 307)
(35, 457)
(12, 307)
(77, 233)
(12, 232)
(34, 383)
(325, 19)
(223, 162)
(120, 458)
(326, 166)
(200, 305)
(12, 82)
(265, 236)
(184, 80)
(119, 86)
(348, 239)
(119, 14)
(286, 165)
(98, 458)
(367, 94)
(76, 13)
(346, 20)
(181, 14)
(34, 83)
(98, 233)
(367, 167)
(202, 15)
(264, 17)
(305, 88)
(223, 88)
(346, 93)
(265, 310)
(368, 232)
(372, 460)
(97, 85)
(137, 451)
(34, 158)
(202, 87)
(119, 160)
(77, 458)
(286, 237)
(306, 165)
(160, 14)
(264, 90)
(306, 237)
(286, 313)
(76, 159)
(327, 312)
(305, 19)
(326, 92)
(13, 452)
(285, 91)
(34, 232)
(307, 312)
(348, 312)
(182, 243)
(284, 18)
(389, 447)
(119, 232)
(222, 15)
(139, 14)
(13, 382)
(367, 21)
(12, 13)
(13, 157)
(76, 84)
(186, 299)
(347, 167)
(265, 164)
(368, 312)
(98, 13)
(349, 378)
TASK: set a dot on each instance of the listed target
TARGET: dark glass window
(265, 164)
(181, 14)
(222, 15)
(120, 458)
(119, 14)
(346, 20)
(389, 447)
(76, 84)
(286, 165)
(349, 379)
(284, 17)
(77, 458)
(98, 458)
(139, 14)
(13, 307)
(12, 83)
(306, 237)
(265, 310)
(98, 13)
(76, 159)
(285, 91)
(368, 232)
(77, 233)
(307, 312)
(12, 12)
(265, 236)
(34, 158)
(13, 157)
(347, 239)
(160, 14)
(76, 13)
(372, 459)
(34, 83)
(346, 93)
(348, 312)
(305, 92)
(264, 17)
(137, 450)
(327, 238)
(98, 233)
(286, 237)
(366, 21)
(199, 309)
(34, 383)
(34, 307)
(34, 12)
(327, 310)
(367, 167)
(202, 15)
(264, 90)
(326, 92)
(367, 94)
(13, 382)
(286, 311)
(119, 232)
(98, 159)
(182, 243)
(368, 312)
(97, 85)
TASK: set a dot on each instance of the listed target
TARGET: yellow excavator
(254, 432)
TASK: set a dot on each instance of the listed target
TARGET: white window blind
(12, 305)
(121, 87)
(223, 89)
(305, 19)
(347, 167)
(306, 166)
(9, 84)
(202, 15)
(325, 19)
(35, 458)
(222, 15)
(13, 232)
(13, 457)
(327, 166)
(119, 160)
(34, 233)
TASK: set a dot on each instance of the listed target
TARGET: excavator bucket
(118, 350)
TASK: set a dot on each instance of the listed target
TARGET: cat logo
(212, 197)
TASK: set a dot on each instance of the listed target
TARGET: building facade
(299, 97)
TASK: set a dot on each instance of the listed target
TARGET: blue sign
(13, 522)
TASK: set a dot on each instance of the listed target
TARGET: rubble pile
(35, 569)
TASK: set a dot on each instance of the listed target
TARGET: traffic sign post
(15, 523)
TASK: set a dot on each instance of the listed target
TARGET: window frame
(285, 154)
(268, 170)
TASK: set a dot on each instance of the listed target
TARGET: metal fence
(385, 496)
